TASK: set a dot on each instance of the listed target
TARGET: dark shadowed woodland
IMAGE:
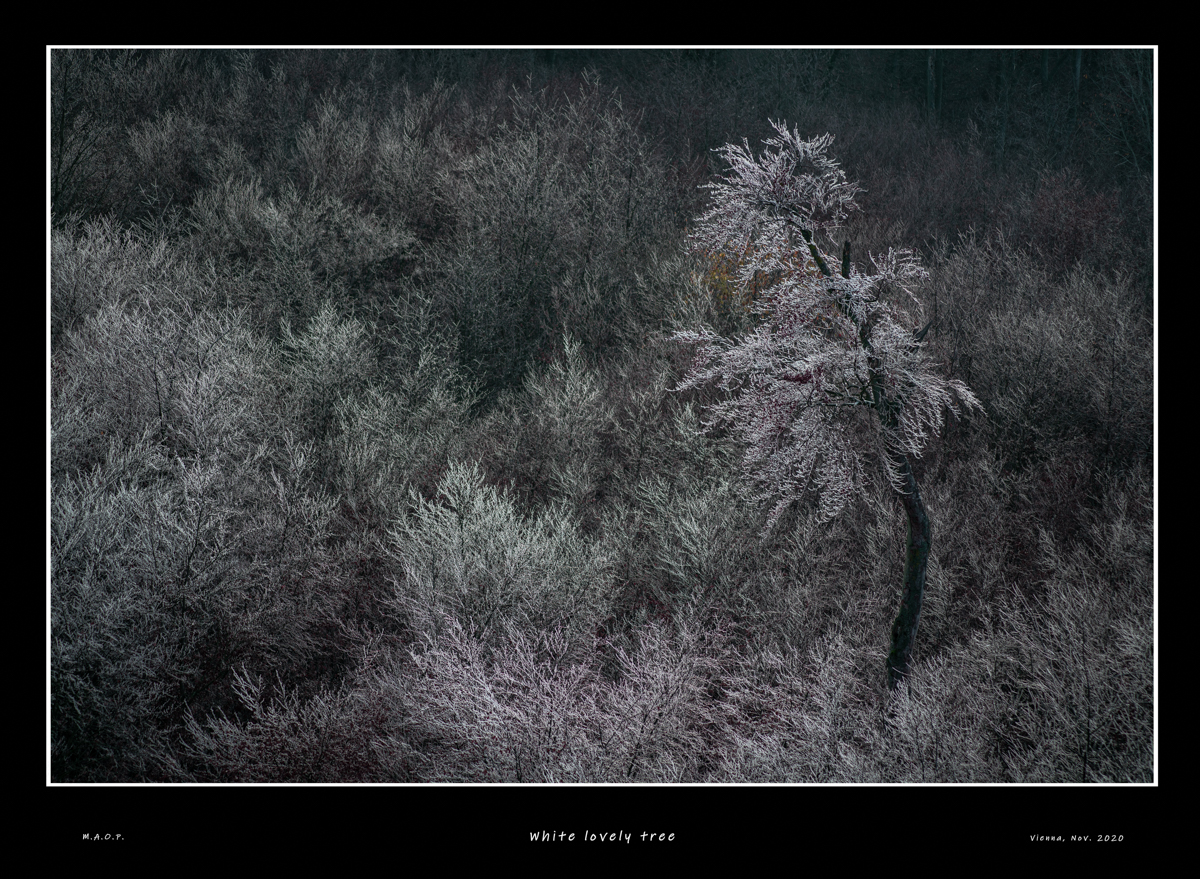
(374, 457)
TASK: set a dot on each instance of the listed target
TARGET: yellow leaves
(723, 272)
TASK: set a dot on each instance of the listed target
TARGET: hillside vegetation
(369, 460)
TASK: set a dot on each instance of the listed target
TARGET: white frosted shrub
(471, 554)
(798, 717)
(523, 710)
(326, 363)
(518, 712)
(562, 423)
(1061, 365)
(104, 264)
(412, 147)
(383, 446)
(139, 554)
(944, 728)
(198, 380)
(323, 235)
(292, 251)
(401, 430)
(1083, 650)
(659, 722)
(325, 738)
(682, 533)
(334, 153)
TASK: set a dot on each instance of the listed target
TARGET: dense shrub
(198, 381)
(327, 364)
(293, 252)
(553, 215)
(88, 163)
(551, 437)
(1068, 227)
(414, 147)
(1056, 688)
(164, 574)
(100, 264)
(285, 738)
(400, 432)
(1058, 365)
(471, 554)
(526, 712)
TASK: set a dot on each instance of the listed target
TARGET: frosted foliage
(827, 350)
(792, 186)
(471, 554)
(568, 414)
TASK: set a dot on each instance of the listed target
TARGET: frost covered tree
(835, 369)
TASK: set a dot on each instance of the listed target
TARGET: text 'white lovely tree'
(835, 369)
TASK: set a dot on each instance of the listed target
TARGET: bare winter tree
(835, 369)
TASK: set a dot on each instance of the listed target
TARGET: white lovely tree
(835, 370)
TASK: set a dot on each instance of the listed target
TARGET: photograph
(580, 417)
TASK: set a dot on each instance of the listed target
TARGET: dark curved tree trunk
(904, 629)
(916, 557)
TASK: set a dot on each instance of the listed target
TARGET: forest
(383, 446)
